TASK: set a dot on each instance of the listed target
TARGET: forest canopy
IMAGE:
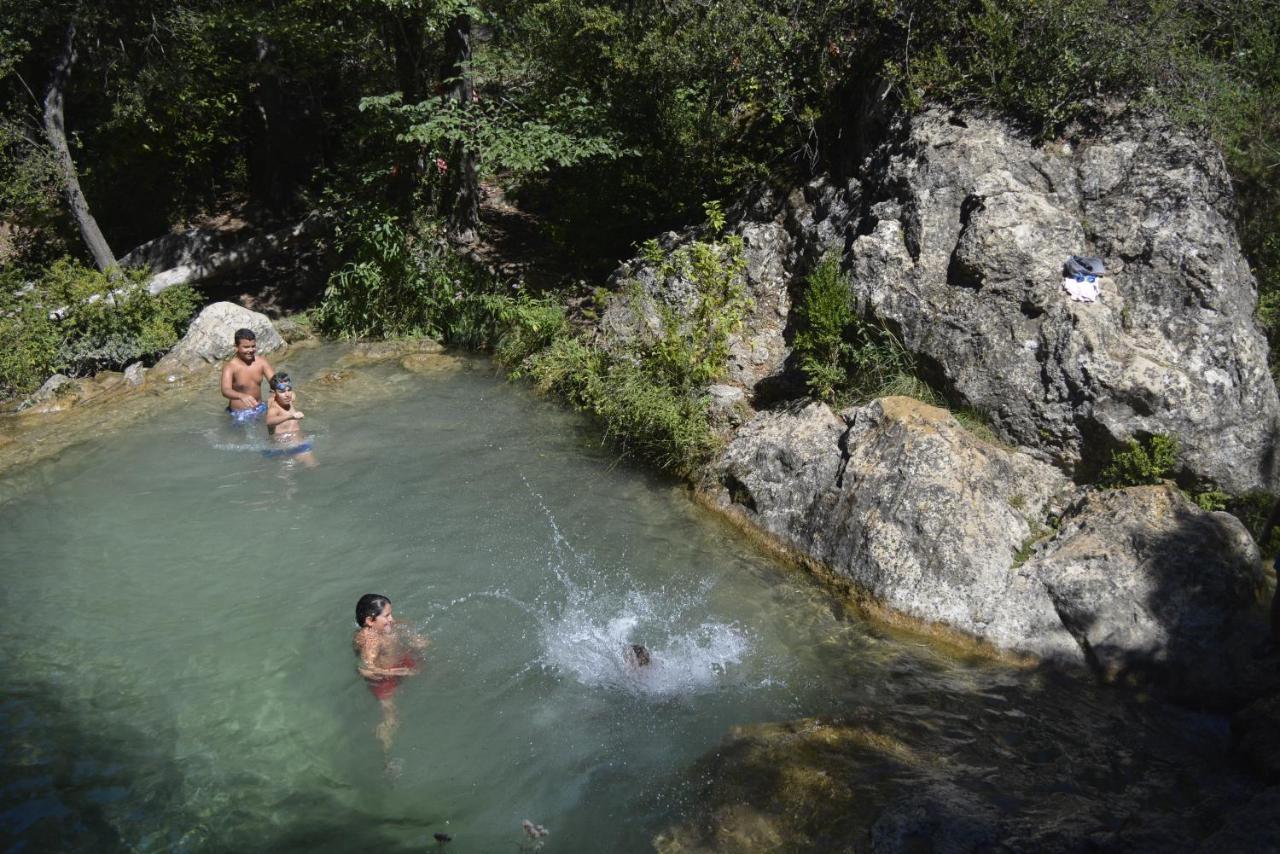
(614, 119)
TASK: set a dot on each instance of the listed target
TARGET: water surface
(178, 616)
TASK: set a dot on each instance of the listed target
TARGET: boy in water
(636, 655)
(385, 657)
(242, 378)
(282, 422)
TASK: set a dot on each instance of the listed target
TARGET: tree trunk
(56, 131)
(405, 35)
(464, 218)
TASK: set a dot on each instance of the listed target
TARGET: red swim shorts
(383, 687)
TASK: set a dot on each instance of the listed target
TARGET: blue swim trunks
(240, 416)
(291, 451)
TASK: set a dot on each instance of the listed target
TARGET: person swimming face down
(636, 656)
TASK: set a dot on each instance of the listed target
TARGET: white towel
(1088, 289)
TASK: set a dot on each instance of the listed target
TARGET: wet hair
(637, 655)
(281, 378)
(245, 335)
(370, 605)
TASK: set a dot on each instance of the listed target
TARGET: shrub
(650, 396)
(844, 357)
(105, 322)
(644, 417)
(1147, 462)
(394, 284)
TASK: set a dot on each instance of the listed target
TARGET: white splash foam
(587, 637)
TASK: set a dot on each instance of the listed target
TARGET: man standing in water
(242, 378)
(385, 657)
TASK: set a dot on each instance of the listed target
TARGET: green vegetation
(846, 359)
(1141, 463)
(611, 120)
(407, 282)
(650, 395)
(76, 321)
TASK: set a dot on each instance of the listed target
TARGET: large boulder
(900, 499)
(210, 338)
(940, 525)
(646, 298)
(965, 229)
(1155, 589)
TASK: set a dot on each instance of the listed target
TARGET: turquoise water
(179, 610)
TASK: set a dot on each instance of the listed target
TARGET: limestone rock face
(210, 338)
(935, 523)
(1146, 581)
(965, 231)
(758, 350)
(900, 499)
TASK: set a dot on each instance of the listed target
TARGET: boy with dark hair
(282, 422)
(242, 378)
(385, 657)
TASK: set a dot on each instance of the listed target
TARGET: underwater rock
(373, 352)
(210, 338)
(432, 363)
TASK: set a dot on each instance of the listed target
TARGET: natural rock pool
(178, 669)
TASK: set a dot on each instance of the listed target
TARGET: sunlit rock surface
(947, 528)
(211, 337)
(964, 229)
(645, 299)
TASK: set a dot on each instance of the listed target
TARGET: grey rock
(135, 374)
(49, 389)
(645, 300)
(966, 228)
(176, 249)
(935, 523)
(209, 339)
(900, 499)
(1155, 589)
(52, 396)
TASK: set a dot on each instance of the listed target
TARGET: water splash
(590, 618)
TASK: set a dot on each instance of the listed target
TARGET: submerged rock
(433, 363)
(210, 338)
(373, 352)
